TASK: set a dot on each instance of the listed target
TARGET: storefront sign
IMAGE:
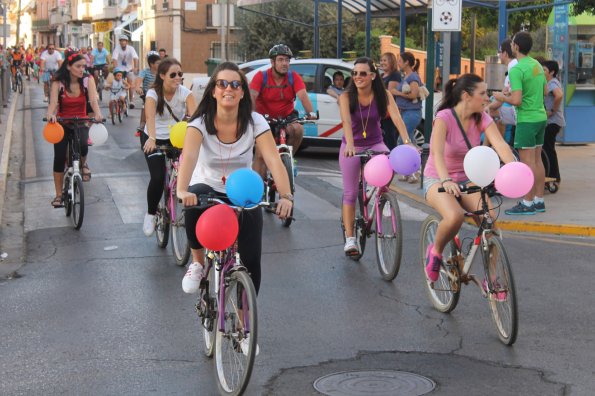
(103, 26)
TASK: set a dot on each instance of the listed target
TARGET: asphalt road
(100, 311)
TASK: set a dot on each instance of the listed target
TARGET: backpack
(265, 77)
(85, 90)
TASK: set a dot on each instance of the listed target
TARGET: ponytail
(454, 89)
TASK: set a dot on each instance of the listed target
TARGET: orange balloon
(53, 132)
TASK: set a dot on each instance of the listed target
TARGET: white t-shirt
(217, 159)
(511, 64)
(164, 122)
(125, 58)
(51, 61)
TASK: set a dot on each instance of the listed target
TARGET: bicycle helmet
(118, 70)
(152, 53)
(280, 49)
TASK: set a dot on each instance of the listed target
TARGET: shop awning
(136, 35)
(124, 27)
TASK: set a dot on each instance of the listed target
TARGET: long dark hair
(454, 89)
(63, 74)
(158, 84)
(410, 59)
(377, 88)
(207, 107)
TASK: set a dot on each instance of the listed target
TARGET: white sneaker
(149, 225)
(245, 345)
(191, 281)
(350, 245)
(45, 99)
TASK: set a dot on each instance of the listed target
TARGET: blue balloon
(244, 187)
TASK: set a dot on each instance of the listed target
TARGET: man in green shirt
(527, 85)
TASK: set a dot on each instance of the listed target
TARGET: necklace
(226, 163)
(364, 127)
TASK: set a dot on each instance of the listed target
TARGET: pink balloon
(378, 171)
(514, 180)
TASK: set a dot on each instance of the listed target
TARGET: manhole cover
(377, 383)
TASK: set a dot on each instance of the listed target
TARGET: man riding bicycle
(50, 62)
(99, 56)
(273, 93)
(16, 61)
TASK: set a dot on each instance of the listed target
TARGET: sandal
(57, 203)
(86, 175)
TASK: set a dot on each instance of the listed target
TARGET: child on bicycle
(463, 103)
(364, 103)
(144, 83)
(119, 90)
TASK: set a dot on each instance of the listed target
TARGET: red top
(73, 106)
(276, 100)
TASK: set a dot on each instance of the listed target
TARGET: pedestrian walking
(554, 97)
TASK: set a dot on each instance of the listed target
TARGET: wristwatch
(289, 197)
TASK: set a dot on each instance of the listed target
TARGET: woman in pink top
(465, 99)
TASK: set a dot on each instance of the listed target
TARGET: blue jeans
(411, 118)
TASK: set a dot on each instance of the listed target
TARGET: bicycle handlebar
(490, 189)
(76, 119)
(290, 120)
(207, 200)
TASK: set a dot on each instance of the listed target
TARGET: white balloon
(98, 134)
(481, 165)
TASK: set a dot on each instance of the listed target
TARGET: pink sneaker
(498, 294)
(433, 262)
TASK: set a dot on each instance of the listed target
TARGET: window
(308, 74)
(328, 76)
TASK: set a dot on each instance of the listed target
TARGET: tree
(580, 6)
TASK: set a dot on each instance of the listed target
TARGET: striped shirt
(148, 78)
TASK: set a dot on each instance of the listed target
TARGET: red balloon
(217, 228)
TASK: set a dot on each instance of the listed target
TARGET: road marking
(560, 241)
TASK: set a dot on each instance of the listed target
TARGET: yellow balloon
(177, 134)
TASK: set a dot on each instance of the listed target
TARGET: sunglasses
(223, 84)
(355, 73)
(51, 49)
(174, 74)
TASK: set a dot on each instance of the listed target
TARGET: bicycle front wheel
(78, 202)
(209, 319)
(162, 223)
(501, 291)
(66, 197)
(389, 242)
(444, 293)
(235, 346)
(179, 241)
(288, 164)
(20, 84)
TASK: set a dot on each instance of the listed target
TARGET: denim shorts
(430, 181)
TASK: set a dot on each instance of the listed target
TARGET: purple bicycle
(169, 212)
(377, 212)
(227, 309)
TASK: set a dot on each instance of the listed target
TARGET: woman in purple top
(464, 99)
(363, 104)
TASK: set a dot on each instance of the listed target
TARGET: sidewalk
(568, 211)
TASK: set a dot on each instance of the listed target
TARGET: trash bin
(212, 63)
(495, 73)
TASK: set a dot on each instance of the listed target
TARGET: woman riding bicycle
(166, 103)
(464, 101)
(362, 106)
(69, 92)
(221, 137)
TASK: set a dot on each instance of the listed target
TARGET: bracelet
(288, 197)
(152, 138)
(447, 179)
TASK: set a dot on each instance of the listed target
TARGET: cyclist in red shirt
(273, 93)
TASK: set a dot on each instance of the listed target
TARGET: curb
(518, 226)
(5, 155)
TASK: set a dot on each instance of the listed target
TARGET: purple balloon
(405, 159)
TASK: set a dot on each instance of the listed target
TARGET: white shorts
(118, 95)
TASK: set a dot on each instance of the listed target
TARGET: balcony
(59, 16)
(40, 25)
(109, 12)
(83, 11)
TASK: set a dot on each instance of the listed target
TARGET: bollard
(425, 153)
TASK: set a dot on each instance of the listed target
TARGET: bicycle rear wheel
(119, 113)
(444, 293)
(235, 346)
(209, 319)
(288, 164)
(501, 291)
(78, 202)
(179, 241)
(162, 223)
(66, 198)
(389, 244)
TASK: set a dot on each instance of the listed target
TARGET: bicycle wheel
(20, 84)
(288, 164)
(162, 223)
(66, 197)
(119, 111)
(179, 241)
(546, 162)
(502, 293)
(209, 319)
(78, 202)
(235, 346)
(112, 113)
(444, 293)
(100, 91)
(389, 244)
(359, 228)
